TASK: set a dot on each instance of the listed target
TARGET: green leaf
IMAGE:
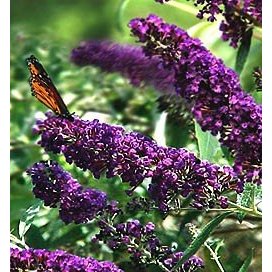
(28, 218)
(178, 135)
(201, 238)
(120, 12)
(34, 237)
(227, 155)
(72, 235)
(208, 145)
(246, 263)
(210, 264)
(247, 198)
(243, 51)
(254, 60)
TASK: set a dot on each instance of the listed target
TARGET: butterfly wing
(44, 90)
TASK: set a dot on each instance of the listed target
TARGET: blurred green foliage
(49, 30)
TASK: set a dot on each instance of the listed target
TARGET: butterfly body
(44, 90)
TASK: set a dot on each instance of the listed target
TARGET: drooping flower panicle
(218, 102)
(100, 147)
(55, 187)
(58, 260)
(103, 148)
(128, 60)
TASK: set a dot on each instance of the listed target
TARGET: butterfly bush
(55, 187)
(58, 260)
(103, 148)
(219, 104)
(130, 61)
(239, 16)
(143, 245)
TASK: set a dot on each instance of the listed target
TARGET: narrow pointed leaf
(208, 146)
(246, 264)
(201, 238)
(243, 51)
(28, 218)
(247, 198)
(120, 12)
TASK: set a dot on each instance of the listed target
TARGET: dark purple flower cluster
(193, 262)
(55, 186)
(130, 61)
(141, 242)
(253, 8)
(100, 148)
(59, 260)
(239, 16)
(211, 8)
(218, 102)
(233, 27)
(181, 173)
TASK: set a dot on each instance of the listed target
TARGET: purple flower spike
(133, 157)
(239, 16)
(130, 61)
(55, 186)
(210, 8)
(100, 147)
(59, 260)
(218, 102)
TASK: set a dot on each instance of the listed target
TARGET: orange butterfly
(44, 90)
